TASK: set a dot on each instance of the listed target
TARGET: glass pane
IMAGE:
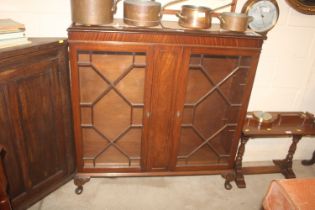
(198, 85)
(83, 57)
(111, 115)
(188, 115)
(132, 85)
(86, 116)
(112, 65)
(130, 143)
(189, 141)
(93, 143)
(140, 59)
(112, 157)
(137, 116)
(218, 67)
(209, 115)
(91, 85)
(233, 87)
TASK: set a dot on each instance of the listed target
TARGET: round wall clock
(303, 6)
(265, 14)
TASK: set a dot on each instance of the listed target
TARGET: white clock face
(265, 16)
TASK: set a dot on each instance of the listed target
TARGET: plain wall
(285, 79)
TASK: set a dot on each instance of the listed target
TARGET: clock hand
(261, 15)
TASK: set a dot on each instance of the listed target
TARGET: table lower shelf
(261, 170)
(280, 166)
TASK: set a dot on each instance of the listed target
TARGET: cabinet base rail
(81, 178)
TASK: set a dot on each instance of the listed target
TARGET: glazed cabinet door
(110, 87)
(216, 91)
(35, 124)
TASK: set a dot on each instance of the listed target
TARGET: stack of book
(12, 33)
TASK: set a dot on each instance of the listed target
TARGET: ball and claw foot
(79, 190)
(79, 181)
(310, 161)
(307, 162)
(227, 185)
(228, 178)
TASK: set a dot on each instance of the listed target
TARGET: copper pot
(194, 17)
(234, 21)
(143, 13)
(93, 12)
(197, 17)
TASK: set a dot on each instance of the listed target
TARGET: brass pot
(143, 13)
(234, 21)
(194, 17)
(93, 12)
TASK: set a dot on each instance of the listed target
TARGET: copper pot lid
(142, 2)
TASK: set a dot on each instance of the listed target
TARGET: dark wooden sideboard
(35, 119)
(5, 203)
(157, 101)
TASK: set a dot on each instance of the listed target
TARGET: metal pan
(195, 17)
(234, 21)
(142, 13)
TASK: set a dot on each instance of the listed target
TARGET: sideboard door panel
(35, 121)
(7, 137)
(41, 116)
(213, 101)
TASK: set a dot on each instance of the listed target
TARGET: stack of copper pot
(148, 13)
(144, 13)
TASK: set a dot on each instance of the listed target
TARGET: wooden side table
(283, 124)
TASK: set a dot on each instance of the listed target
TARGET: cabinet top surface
(167, 27)
(34, 45)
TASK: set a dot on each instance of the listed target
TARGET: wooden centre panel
(166, 66)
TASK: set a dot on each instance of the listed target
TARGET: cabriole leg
(310, 161)
(79, 181)
(229, 177)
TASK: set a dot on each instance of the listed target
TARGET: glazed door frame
(113, 47)
(253, 53)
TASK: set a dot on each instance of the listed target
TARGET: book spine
(11, 35)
